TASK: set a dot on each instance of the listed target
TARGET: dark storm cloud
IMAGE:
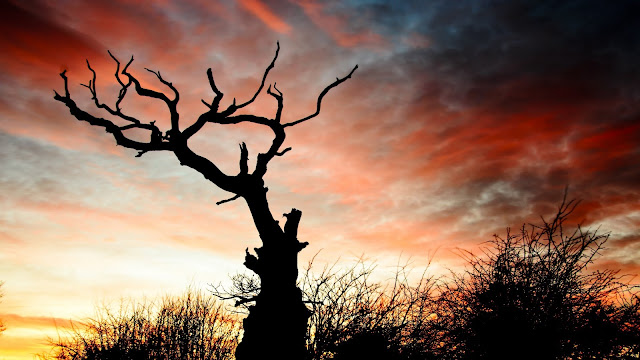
(516, 100)
(30, 39)
(561, 51)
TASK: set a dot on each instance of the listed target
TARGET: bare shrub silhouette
(192, 326)
(531, 296)
(354, 316)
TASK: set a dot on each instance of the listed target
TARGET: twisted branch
(123, 91)
(280, 100)
(322, 94)
(266, 72)
(109, 126)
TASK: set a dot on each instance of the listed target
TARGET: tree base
(275, 328)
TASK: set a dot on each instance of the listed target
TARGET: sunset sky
(463, 118)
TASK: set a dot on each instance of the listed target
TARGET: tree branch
(266, 72)
(177, 144)
(264, 158)
(205, 167)
(291, 228)
(280, 100)
(322, 94)
(293, 220)
(244, 159)
(123, 91)
(142, 91)
(243, 301)
(170, 85)
(283, 151)
(156, 134)
(215, 103)
(233, 107)
(110, 127)
(251, 262)
(228, 200)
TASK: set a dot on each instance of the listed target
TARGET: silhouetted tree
(192, 326)
(531, 296)
(278, 320)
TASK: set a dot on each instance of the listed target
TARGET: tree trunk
(277, 323)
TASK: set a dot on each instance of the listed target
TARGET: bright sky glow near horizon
(463, 118)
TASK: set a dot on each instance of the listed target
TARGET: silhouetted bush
(354, 317)
(192, 326)
(531, 296)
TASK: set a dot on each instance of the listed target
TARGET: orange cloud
(262, 12)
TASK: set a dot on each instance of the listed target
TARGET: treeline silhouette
(534, 294)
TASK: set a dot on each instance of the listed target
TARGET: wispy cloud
(264, 13)
(340, 25)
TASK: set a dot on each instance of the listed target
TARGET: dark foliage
(531, 296)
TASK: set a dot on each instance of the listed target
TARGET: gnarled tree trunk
(276, 325)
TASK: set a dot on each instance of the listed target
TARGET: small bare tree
(533, 295)
(278, 320)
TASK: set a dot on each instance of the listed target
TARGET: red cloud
(37, 47)
(262, 12)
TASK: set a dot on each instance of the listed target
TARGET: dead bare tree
(277, 322)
